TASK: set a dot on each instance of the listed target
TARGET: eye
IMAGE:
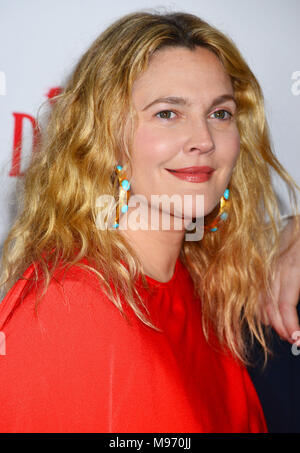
(165, 114)
(221, 115)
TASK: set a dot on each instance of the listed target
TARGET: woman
(112, 328)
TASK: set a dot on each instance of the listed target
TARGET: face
(186, 118)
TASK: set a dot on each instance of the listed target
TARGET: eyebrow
(184, 101)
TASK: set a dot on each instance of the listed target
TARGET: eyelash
(217, 111)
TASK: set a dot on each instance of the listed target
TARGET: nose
(199, 138)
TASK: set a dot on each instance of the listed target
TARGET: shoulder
(75, 322)
(59, 358)
(74, 292)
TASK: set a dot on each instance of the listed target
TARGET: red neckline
(168, 283)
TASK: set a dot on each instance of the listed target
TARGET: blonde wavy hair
(75, 164)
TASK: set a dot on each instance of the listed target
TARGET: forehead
(179, 68)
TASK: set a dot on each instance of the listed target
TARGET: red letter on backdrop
(17, 147)
(18, 132)
(55, 91)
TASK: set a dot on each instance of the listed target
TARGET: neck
(157, 249)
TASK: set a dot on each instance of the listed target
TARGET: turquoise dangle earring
(124, 194)
(222, 214)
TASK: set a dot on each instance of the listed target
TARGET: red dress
(81, 367)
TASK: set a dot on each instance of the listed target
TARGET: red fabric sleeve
(56, 373)
(79, 366)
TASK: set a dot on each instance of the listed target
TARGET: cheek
(235, 148)
(153, 146)
(230, 148)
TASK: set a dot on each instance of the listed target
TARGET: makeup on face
(186, 141)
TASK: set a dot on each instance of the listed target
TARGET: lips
(193, 174)
(192, 170)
